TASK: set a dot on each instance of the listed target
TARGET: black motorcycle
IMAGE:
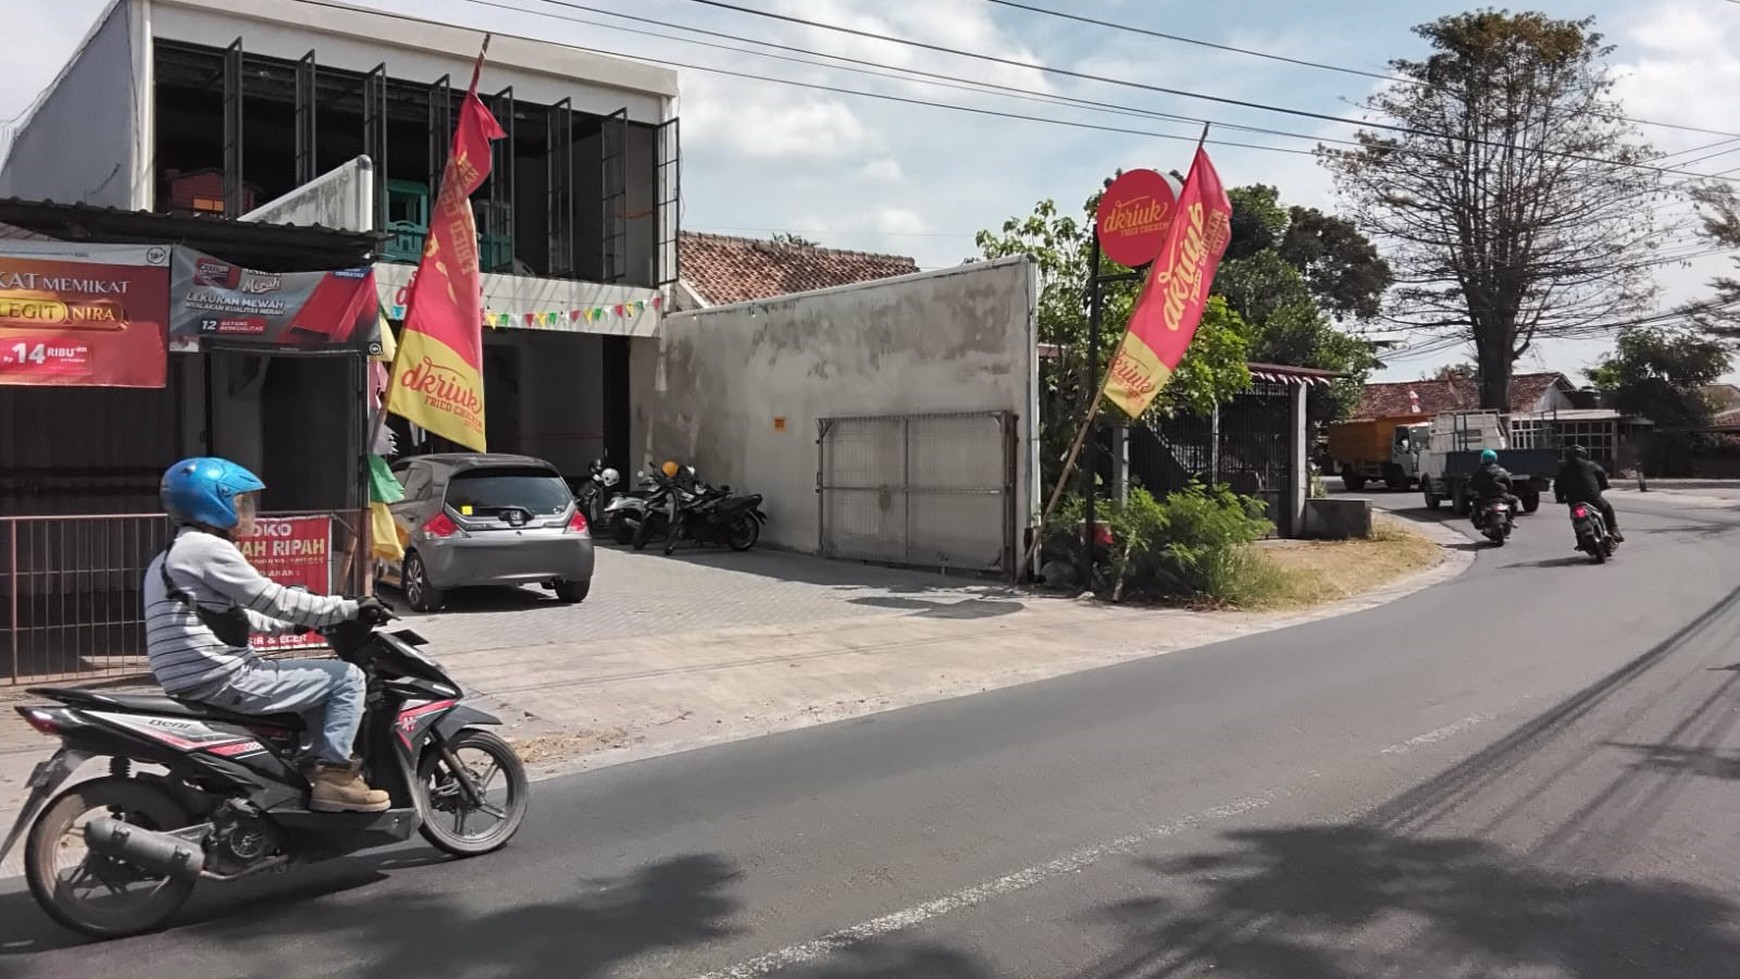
(1496, 521)
(625, 511)
(234, 803)
(686, 508)
(1593, 537)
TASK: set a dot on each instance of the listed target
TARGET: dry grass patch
(1297, 574)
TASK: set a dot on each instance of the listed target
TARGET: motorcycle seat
(162, 705)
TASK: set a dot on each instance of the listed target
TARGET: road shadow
(1352, 901)
(892, 959)
(25, 929)
(579, 931)
(842, 575)
(1674, 759)
(970, 608)
(464, 601)
(1568, 561)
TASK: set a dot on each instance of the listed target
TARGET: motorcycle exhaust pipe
(160, 853)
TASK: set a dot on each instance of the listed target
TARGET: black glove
(371, 611)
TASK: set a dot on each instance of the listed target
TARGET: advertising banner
(294, 552)
(1173, 299)
(83, 315)
(211, 299)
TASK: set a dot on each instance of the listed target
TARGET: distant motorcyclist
(1581, 480)
(1491, 482)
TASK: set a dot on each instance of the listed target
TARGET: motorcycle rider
(1492, 482)
(1581, 480)
(202, 602)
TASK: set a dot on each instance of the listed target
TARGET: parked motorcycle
(594, 493)
(1496, 521)
(625, 511)
(686, 508)
(1593, 537)
(233, 804)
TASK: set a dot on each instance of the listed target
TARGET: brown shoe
(340, 788)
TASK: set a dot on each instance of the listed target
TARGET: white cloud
(886, 170)
(762, 124)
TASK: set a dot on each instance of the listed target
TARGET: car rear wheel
(421, 595)
(573, 592)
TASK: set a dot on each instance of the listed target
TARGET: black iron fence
(70, 589)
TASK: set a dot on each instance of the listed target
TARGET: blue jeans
(327, 693)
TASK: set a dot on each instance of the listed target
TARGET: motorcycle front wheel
(123, 899)
(451, 819)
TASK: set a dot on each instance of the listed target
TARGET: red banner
(438, 374)
(294, 552)
(84, 315)
(1172, 300)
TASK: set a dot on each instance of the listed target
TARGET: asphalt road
(1529, 772)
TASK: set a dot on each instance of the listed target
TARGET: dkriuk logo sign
(1134, 215)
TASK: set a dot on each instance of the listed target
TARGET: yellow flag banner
(438, 374)
(1172, 301)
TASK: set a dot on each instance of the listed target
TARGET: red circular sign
(1134, 215)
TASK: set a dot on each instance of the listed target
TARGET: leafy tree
(1661, 374)
(1212, 371)
(1453, 372)
(1288, 270)
(1504, 175)
(1719, 206)
(791, 240)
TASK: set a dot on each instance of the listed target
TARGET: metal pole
(1089, 466)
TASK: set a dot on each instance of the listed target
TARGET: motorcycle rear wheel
(120, 798)
(744, 533)
(441, 799)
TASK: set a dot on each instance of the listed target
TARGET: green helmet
(1487, 457)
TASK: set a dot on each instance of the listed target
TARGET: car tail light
(440, 527)
(41, 720)
(1579, 512)
(577, 523)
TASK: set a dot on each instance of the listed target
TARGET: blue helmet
(204, 490)
(1488, 456)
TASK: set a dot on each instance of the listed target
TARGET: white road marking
(1432, 737)
(1021, 880)
(978, 894)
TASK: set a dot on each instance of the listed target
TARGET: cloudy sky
(853, 171)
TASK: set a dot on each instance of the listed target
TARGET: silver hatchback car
(471, 519)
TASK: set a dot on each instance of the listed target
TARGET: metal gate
(934, 491)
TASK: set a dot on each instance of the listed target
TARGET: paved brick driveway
(646, 593)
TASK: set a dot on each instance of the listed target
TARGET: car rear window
(496, 489)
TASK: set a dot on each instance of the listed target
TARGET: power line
(1323, 66)
(905, 74)
(816, 86)
(1180, 93)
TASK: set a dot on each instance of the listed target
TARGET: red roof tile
(1386, 400)
(723, 269)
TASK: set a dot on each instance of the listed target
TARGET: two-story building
(307, 113)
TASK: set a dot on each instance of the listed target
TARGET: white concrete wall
(709, 390)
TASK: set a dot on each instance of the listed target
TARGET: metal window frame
(307, 123)
(234, 128)
(670, 204)
(375, 135)
(614, 198)
(501, 177)
(559, 130)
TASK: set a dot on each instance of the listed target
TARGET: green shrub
(1191, 544)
